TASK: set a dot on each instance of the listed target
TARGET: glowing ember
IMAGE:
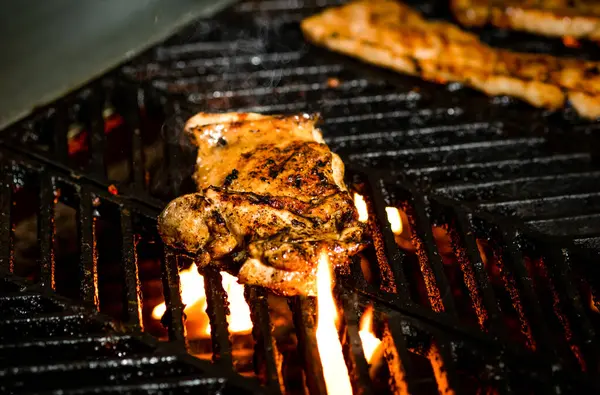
(335, 371)
(361, 206)
(571, 42)
(194, 299)
(333, 82)
(394, 219)
(593, 304)
(369, 341)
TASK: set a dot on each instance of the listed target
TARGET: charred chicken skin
(272, 199)
(388, 33)
(558, 18)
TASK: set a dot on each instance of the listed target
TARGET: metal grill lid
(74, 42)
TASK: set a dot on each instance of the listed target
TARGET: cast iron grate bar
(515, 269)
(89, 253)
(392, 252)
(305, 322)
(358, 368)
(438, 287)
(175, 316)
(547, 208)
(559, 269)
(46, 231)
(442, 174)
(130, 263)
(265, 344)
(527, 187)
(217, 310)
(398, 359)
(443, 365)
(476, 278)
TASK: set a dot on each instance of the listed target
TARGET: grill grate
(483, 290)
(48, 345)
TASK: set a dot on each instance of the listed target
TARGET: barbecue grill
(490, 287)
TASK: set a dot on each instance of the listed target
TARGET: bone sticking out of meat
(554, 18)
(392, 35)
(272, 198)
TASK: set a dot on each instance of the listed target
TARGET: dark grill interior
(491, 287)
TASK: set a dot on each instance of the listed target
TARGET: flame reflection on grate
(335, 371)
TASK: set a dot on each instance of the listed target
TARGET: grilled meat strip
(389, 33)
(272, 199)
(558, 18)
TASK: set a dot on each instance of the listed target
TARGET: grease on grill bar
(464, 298)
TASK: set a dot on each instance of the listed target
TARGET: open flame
(239, 318)
(369, 341)
(194, 299)
(192, 291)
(393, 214)
(394, 219)
(335, 372)
(361, 206)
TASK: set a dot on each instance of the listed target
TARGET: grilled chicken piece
(390, 34)
(272, 199)
(558, 18)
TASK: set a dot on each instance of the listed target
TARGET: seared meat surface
(272, 199)
(558, 18)
(389, 33)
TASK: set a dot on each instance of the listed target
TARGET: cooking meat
(390, 34)
(559, 18)
(272, 200)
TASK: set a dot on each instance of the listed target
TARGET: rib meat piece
(272, 200)
(391, 34)
(558, 18)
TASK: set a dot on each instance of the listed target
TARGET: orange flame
(239, 318)
(192, 291)
(194, 298)
(394, 219)
(361, 207)
(571, 42)
(335, 372)
(369, 341)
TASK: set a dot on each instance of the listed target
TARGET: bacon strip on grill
(390, 34)
(272, 199)
(558, 18)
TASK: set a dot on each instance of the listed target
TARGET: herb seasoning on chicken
(272, 199)
(554, 18)
(391, 34)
